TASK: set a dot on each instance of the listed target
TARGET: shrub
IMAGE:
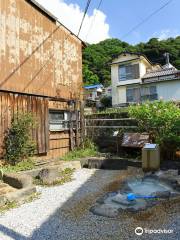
(160, 119)
(106, 101)
(18, 142)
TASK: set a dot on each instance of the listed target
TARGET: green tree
(97, 57)
(89, 76)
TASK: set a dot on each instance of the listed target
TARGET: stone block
(20, 194)
(48, 175)
(122, 199)
(106, 210)
(3, 201)
(69, 164)
(17, 180)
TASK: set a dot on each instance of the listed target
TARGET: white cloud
(166, 33)
(71, 15)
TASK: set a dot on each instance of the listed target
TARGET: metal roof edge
(43, 9)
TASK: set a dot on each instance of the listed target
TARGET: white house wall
(169, 90)
(114, 81)
(123, 58)
(119, 87)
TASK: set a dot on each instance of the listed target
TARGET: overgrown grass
(80, 153)
(8, 206)
(21, 166)
(87, 149)
(64, 177)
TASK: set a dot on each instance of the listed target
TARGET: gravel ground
(62, 213)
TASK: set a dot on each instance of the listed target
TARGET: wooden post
(77, 124)
(71, 132)
(82, 121)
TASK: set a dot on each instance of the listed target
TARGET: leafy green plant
(160, 119)
(18, 142)
(106, 101)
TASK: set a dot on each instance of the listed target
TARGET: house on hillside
(93, 92)
(135, 79)
(41, 72)
(107, 91)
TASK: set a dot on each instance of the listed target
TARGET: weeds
(21, 166)
(87, 149)
(64, 177)
(8, 206)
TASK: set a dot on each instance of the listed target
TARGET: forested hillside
(97, 57)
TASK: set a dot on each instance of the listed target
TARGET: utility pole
(166, 55)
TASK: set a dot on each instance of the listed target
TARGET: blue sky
(122, 15)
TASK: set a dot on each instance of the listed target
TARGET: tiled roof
(162, 72)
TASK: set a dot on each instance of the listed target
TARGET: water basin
(149, 191)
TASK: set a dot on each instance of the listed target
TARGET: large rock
(122, 199)
(48, 175)
(162, 195)
(3, 200)
(140, 205)
(106, 210)
(17, 180)
(20, 194)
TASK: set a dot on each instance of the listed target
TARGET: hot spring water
(147, 186)
(148, 191)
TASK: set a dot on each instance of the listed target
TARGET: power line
(85, 11)
(99, 5)
(146, 19)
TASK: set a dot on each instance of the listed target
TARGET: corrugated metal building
(41, 72)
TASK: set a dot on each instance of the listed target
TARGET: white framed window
(127, 72)
(58, 120)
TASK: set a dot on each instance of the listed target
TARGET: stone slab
(17, 180)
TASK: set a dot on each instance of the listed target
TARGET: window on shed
(58, 120)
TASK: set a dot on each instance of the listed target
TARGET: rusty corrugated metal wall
(37, 55)
(39, 60)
